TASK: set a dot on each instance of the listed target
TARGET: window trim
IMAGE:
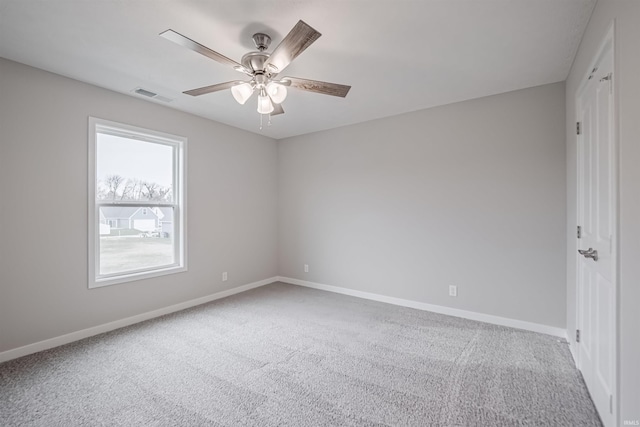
(180, 204)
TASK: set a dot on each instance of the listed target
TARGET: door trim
(607, 44)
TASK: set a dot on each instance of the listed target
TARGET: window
(136, 203)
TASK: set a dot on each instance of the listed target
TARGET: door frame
(606, 45)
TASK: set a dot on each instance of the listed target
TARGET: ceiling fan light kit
(242, 92)
(277, 92)
(265, 106)
(263, 68)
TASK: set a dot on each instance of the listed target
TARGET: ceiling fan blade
(212, 88)
(203, 50)
(324, 88)
(299, 38)
(277, 109)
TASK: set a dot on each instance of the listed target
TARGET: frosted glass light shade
(242, 92)
(264, 104)
(277, 92)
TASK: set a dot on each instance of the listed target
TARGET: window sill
(131, 277)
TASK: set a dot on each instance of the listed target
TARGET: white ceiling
(398, 55)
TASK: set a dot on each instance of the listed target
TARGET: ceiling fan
(264, 69)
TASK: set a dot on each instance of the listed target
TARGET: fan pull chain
(268, 122)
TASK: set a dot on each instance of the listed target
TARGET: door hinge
(611, 403)
(579, 233)
(577, 335)
(609, 78)
(578, 128)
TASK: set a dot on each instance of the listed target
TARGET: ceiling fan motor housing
(262, 41)
(255, 61)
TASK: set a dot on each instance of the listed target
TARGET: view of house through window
(137, 203)
(133, 240)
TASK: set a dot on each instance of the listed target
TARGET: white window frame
(179, 204)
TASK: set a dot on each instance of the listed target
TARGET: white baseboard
(487, 318)
(571, 350)
(95, 330)
(106, 327)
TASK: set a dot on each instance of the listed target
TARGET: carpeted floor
(286, 355)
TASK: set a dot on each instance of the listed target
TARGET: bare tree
(101, 191)
(129, 190)
(113, 183)
(150, 190)
(164, 194)
(154, 191)
(137, 189)
(115, 187)
(167, 194)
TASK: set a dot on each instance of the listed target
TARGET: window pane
(136, 192)
(135, 238)
(130, 169)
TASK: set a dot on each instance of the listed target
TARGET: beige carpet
(286, 355)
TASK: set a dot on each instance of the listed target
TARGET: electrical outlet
(225, 276)
(453, 291)
(306, 268)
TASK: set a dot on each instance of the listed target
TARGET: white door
(597, 217)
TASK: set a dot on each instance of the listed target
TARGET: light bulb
(242, 92)
(277, 92)
(264, 104)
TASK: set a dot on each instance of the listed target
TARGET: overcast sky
(130, 158)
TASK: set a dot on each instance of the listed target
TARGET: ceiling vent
(149, 94)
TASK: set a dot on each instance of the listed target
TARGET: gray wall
(43, 209)
(470, 194)
(627, 68)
